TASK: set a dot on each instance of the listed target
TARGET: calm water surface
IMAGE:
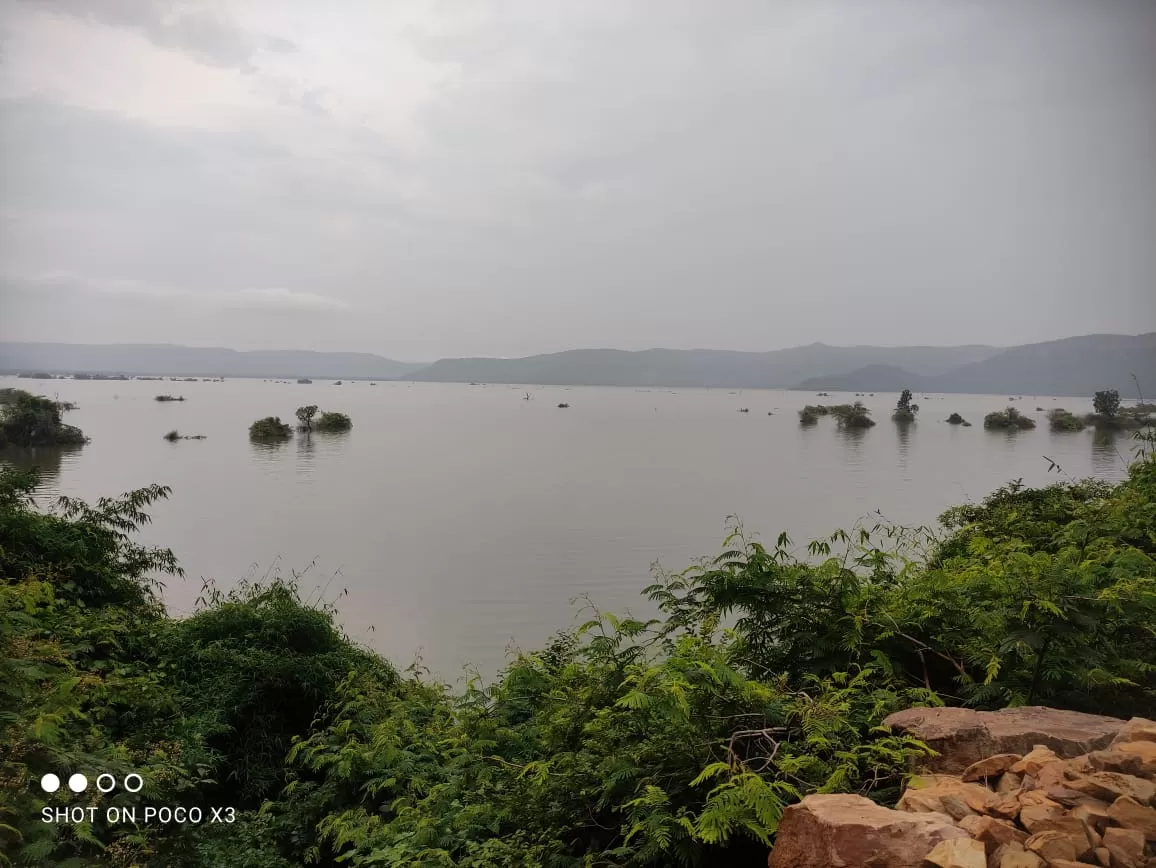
(464, 519)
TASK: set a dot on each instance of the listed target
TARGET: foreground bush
(677, 740)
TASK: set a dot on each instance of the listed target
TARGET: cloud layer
(431, 178)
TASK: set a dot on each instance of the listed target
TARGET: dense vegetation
(677, 740)
(905, 410)
(1060, 419)
(1010, 419)
(33, 420)
(956, 419)
(270, 428)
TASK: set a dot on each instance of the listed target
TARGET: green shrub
(270, 428)
(330, 421)
(956, 419)
(852, 415)
(905, 411)
(1009, 419)
(1061, 420)
(32, 420)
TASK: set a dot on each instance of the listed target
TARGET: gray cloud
(523, 177)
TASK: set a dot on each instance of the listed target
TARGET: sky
(424, 179)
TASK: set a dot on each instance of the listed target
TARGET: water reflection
(1109, 451)
(903, 432)
(48, 459)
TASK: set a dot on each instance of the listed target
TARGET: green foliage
(1010, 419)
(1106, 403)
(675, 741)
(270, 428)
(334, 422)
(305, 416)
(1060, 419)
(852, 415)
(810, 415)
(33, 420)
(956, 419)
(905, 410)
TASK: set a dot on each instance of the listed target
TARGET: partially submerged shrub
(956, 419)
(168, 398)
(905, 410)
(333, 422)
(270, 428)
(1010, 419)
(808, 416)
(1060, 419)
(852, 415)
(33, 420)
(173, 435)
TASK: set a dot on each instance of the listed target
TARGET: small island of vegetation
(851, 415)
(1060, 419)
(270, 428)
(169, 398)
(956, 419)
(905, 410)
(1010, 419)
(33, 420)
(308, 420)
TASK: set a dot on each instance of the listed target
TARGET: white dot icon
(78, 783)
(50, 783)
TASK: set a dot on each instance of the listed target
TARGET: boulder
(955, 798)
(991, 832)
(1093, 813)
(1130, 814)
(1109, 786)
(958, 853)
(991, 767)
(1009, 782)
(1035, 760)
(1051, 845)
(1126, 847)
(962, 736)
(825, 830)
(1136, 729)
(1115, 760)
(1145, 751)
(1014, 855)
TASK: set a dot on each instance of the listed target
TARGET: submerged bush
(330, 421)
(1060, 419)
(33, 420)
(808, 416)
(905, 410)
(270, 428)
(956, 419)
(852, 415)
(1009, 419)
(168, 398)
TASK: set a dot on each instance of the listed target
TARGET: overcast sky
(426, 179)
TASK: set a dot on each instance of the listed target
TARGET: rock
(1007, 808)
(1009, 782)
(958, 853)
(1052, 845)
(1145, 751)
(1093, 813)
(1015, 856)
(952, 797)
(991, 832)
(990, 767)
(1117, 761)
(1036, 797)
(962, 736)
(1038, 757)
(1073, 827)
(825, 830)
(1126, 847)
(1109, 786)
(1130, 814)
(1033, 816)
(1103, 856)
(1136, 729)
(1066, 796)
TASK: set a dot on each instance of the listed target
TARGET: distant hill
(1076, 366)
(173, 360)
(687, 368)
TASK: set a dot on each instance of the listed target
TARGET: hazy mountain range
(173, 360)
(1072, 366)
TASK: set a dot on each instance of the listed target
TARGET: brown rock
(1034, 760)
(1103, 856)
(992, 832)
(1067, 863)
(1033, 816)
(1109, 786)
(1117, 761)
(1093, 813)
(826, 830)
(1009, 782)
(952, 797)
(1073, 828)
(1015, 856)
(1053, 845)
(1066, 796)
(990, 767)
(1130, 814)
(962, 736)
(1145, 751)
(1055, 774)
(1136, 729)
(1036, 797)
(1007, 808)
(958, 853)
(1126, 847)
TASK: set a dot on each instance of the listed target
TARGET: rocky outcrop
(1047, 806)
(845, 830)
(962, 736)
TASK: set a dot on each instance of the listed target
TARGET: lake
(454, 521)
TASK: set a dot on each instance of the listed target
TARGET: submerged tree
(904, 410)
(305, 416)
(1106, 403)
(330, 421)
(33, 420)
(270, 428)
